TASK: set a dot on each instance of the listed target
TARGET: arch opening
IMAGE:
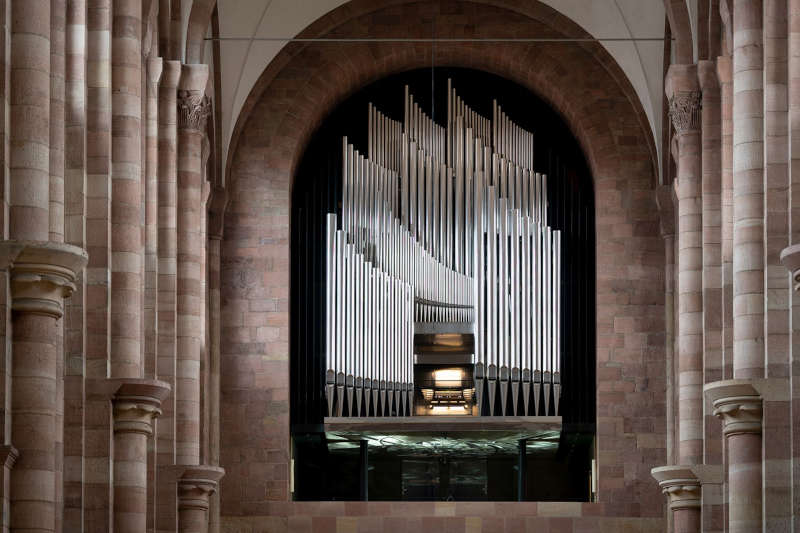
(390, 464)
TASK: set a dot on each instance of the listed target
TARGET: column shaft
(794, 237)
(748, 191)
(126, 200)
(34, 336)
(167, 286)
(193, 109)
(712, 260)
(34, 422)
(29, 132)
(97, 513)
(75, 233)
(744, 482)
(682, 91)
(154, 69)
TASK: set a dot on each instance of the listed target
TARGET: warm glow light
(448, 409)
(448, 378)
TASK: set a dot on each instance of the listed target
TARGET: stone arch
(681, 27)
(199, 19)
(293, 96)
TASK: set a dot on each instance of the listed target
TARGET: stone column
(197, 481)
(154, 70)
(42, 275)
(684, 108)
(682, 487)
(193, 109)
(136, 404)
(167, 286)
(712, 280)
(216, 215)
(666, 212)
(738, 404)
(96, 489)
(126, 200)
(75, 234)
(794, 236)
(725, 77)
(195, 487)
(29, 132)
(748, 191)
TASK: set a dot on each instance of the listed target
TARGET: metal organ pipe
(442, 225)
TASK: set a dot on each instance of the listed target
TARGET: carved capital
(193, 110)
(196, 485)
(684, 110)
(42, 274)
(680, 484)
(136, 403)
(738, 403)
(739, 414)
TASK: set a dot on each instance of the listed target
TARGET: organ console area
(442, 273)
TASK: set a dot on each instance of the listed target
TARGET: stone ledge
(196, 484)
(42, 274)
(680, 484)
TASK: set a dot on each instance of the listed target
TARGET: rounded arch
(681, 27)
(582, 83)
(547, 69)
(196, 28)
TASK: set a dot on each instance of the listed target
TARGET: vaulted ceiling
(244, 54)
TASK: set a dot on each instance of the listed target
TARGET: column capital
(680, 484)
(737, 403)
(136, 403)
(193, 105)
(682, 89)
(684, 110)
(790, 257)
(42, 274)
(193, 110)
(196, 485)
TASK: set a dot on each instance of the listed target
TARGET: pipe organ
(443, 230)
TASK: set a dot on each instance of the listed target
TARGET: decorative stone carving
(680, 484)
(136, 403)
(738, 403)
(196, 485)
(684, 110)
(42, 274)
(193, 110)
(739, 414)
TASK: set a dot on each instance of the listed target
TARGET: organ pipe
(445, 226)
